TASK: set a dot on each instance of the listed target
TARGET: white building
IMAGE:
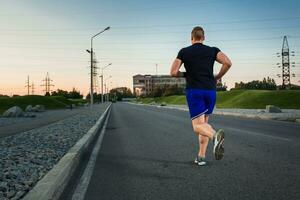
(145, 84)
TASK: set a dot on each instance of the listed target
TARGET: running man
(198, 61)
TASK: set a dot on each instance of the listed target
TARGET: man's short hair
(198, 33)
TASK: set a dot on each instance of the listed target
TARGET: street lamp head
(107, 28)
(88, 51)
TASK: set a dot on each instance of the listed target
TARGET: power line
(243, 58)
(96, 12)
(147, 32)
(211, 23)
(162, 42)
(162, 25)
(143, 42)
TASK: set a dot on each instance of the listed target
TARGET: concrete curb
(257, 116)
(250, 116)
(54, 182)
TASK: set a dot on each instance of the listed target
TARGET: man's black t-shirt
(199, 61)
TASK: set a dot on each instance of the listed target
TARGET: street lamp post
(109, 86)
(107, 94)
(105, 91)
(92, 65)
(105, 88)
(102, 80)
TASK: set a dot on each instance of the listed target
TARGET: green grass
(255, 99)
(53, 102)
(176, 99)
(77, 101)
(259, 99)
(61, 100)
(69, 101)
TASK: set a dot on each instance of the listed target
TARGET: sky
(40, 36)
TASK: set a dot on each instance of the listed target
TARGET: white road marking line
(83, 184)
(234, 129)
(257, 134)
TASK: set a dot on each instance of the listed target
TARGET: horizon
(52, 36)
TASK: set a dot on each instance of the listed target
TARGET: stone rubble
(14, 112)
(28, 156)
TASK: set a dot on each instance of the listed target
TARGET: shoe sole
(198, 163)
(201, 164)
(219, 150)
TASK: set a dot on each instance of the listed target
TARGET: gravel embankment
(28, 156)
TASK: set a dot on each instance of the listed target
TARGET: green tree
(120, 93)
(74, 94)
(265, 84)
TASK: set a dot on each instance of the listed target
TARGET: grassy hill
(243, 99)
(53, 102)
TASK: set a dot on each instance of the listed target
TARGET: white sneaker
(200, 161)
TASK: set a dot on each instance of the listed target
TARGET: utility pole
(156, 68)
(286, 81)
(106, 88)
(32, 88)
(92, 66)
(285, 64)
(102, 80)
(95, 74)
(92, 74)
(105, 92)
(102, 87)
(96, 80)
(27, 85)
(48, 84)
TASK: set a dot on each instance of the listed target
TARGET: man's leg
(201, 127)
(203, 141)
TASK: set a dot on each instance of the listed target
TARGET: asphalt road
(148, 153)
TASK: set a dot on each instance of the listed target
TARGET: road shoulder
(54, 182)
(286, 115)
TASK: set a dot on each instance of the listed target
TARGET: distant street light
(92, 64)
(102, 80)
(106, 88)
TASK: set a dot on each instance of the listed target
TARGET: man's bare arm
(226, 64)
(175, 68)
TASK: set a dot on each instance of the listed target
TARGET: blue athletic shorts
(200, 101)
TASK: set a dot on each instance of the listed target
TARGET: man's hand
(226, 64)
(217, 77)
(175, 68)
